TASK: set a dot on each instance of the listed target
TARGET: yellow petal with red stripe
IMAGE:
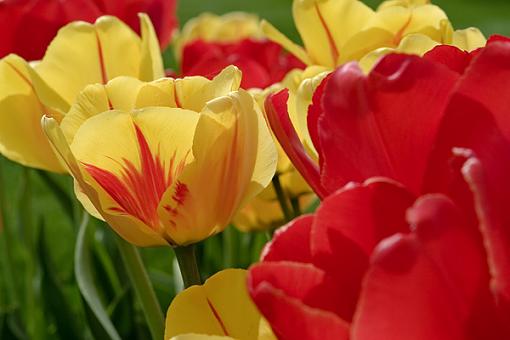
(220, 307)
(123, 166)
(325, 26)
(84, 53)
(234, 159)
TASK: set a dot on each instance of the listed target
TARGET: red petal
(424, 285)
(278, 117)
(488, 81)
(291, 242)
(383, 125)
(309, 284)
(291, 319)
(495, 228)
(455, 59)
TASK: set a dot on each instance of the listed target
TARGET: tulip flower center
(138, 190)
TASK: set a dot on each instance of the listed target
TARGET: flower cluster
(381, 147)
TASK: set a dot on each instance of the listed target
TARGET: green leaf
(85, 278)
(64, 199)
(54, 297)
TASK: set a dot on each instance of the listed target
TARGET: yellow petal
(193, 93)
(151, 66)
(113, 133)
(230, 165)
(21, 137)
(126, 226)
(468, 39)
(83, 54)
(220, 307)
(325, 26)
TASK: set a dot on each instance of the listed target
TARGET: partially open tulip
(337, 31)
(167, 162)
(28, 26)
(209, 43)
(219, 309)
(81, 54)
(393, 121)
(374, 263)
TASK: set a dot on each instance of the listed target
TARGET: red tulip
(403, 117)
(262, 62)
(424, 254)
(28, 26)
(373, 263)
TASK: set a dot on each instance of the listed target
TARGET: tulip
(209, 43)
(80, 54)
(338, 31)
(438, 133)
(167, 162)
(29, 26)
(376, 263)
(392, 122)
(219, 309)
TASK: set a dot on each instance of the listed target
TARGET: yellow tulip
(167, 162)
(338, 31)
(79, 55)
(219, 309)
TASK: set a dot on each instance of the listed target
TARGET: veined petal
(237, 165)
(130, 228)
(220, 307)
(100, 52)
(318, 22)
(128, 159)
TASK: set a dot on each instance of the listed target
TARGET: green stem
(188, 265)
(282, 198)
(294, 201)
(143, 287)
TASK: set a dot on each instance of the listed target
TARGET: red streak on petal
(104, 75)
(217, 317)
(334, 50)
(399, 35)
(138, 192)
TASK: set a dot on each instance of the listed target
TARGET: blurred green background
(39, 298)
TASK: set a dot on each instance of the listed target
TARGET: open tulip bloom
(167, 162)
(381, 147)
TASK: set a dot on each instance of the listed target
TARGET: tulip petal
(490, 69)
(494, 228)
(99, 52)
(21, 137)
(468, 39)
(366, 131)
(291, 319)
(220, 307)
(317, 23)
(153, 122)
(227, 148)
(151, 66)
(431, 286)
(274, 35)
(291, 242)
(350, 223)
(278, 117)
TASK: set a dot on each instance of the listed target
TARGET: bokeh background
(39, 296)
